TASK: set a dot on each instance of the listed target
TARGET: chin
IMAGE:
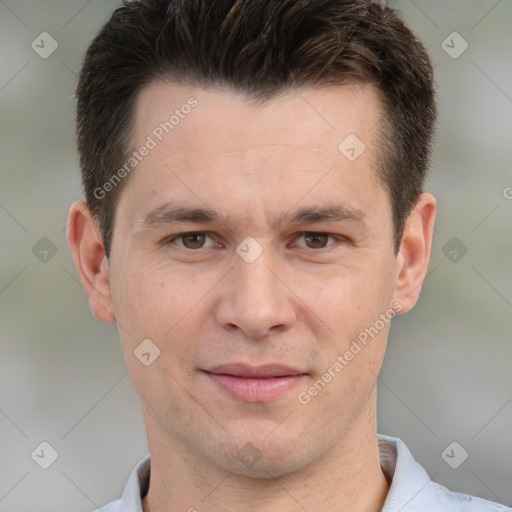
(264, 459)
(266, 468)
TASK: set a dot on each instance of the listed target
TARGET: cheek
(350, 300)
(355, 304)
(164, 310)
(150, 301)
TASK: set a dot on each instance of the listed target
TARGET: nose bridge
(255, 283)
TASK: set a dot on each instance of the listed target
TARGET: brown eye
(316, 240)
(193, 240)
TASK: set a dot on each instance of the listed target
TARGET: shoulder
(446, 500)
(113, 506)
(412, 490)
(136, 488)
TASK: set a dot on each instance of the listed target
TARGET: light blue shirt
(411, 489)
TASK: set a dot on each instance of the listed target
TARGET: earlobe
(85, 242)
(414, 255)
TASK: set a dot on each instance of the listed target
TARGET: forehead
(214, 146)
(318, 118)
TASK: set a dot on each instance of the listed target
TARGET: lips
(254, 383)
(255, 372)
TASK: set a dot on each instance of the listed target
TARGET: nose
(255, 298)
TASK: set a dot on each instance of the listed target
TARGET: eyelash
(339, 239)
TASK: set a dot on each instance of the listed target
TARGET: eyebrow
(169, 213)
(334, 213)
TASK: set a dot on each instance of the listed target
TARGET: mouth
(255, 383)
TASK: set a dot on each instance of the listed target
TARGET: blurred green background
(447, 376)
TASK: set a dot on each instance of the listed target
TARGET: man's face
(317, 284)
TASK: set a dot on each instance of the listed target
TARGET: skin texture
(299, 304)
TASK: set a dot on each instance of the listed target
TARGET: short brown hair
(259, 48)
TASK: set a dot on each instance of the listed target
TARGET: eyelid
(181, 235)
(327, 247)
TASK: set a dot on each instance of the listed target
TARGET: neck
(348, 477)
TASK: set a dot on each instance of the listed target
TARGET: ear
(414, 254)
(85, 241)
